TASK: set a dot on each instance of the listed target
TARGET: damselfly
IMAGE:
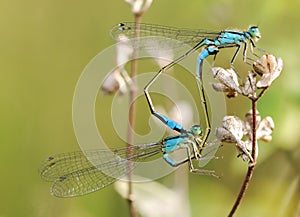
(211, 41)
(80, 173)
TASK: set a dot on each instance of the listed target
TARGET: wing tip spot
(123, 27)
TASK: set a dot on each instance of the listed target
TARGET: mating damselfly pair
(79, 173)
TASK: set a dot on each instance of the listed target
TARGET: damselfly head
(196, 130)
(254, 32)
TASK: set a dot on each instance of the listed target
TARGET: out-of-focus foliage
(46, 44)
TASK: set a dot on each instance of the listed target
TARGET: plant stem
(132, 96)
(252, 164)
(242, 190)
(254, 124)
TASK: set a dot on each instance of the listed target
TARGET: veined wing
(188, 36)
(78, 173)
(208, 152)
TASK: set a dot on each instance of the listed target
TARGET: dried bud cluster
(234, 130)
(228, 81)
(117, 79)
(139, 6)
(268, 66)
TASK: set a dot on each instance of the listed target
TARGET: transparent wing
(188, 36)
(78, 173)
(208, 152)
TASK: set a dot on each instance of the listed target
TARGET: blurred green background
(44, 47)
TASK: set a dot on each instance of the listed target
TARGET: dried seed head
(224, 135)
(234, 130)
(114, 82)
(266, 64)
(229, 80)
(139, 6)
(234, 125)
(222, 88)
(231, 130)
(265, 129)
(269, 67)
(117, 79)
